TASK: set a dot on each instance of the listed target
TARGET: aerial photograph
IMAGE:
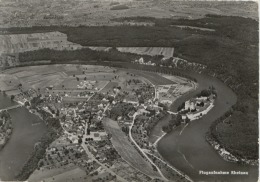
(129, 91)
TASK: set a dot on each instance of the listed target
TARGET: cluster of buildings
(197, 107)
(145, 93)
(87, 84)
(62, 153)
(59, 155)
(74, 120)
(26, 96)
(143, 125)
(82, 125)
(141, 61)
(104, 151)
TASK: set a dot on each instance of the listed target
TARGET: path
(130, 135)
(102, 165)
(93, 157)
(176, 170)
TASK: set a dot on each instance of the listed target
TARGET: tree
(80, 140)
(187, 120)
(58, 113)
(12, 97)
(26, 103)
(88, 131)
(178, 120)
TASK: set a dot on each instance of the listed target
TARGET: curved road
(187, 149)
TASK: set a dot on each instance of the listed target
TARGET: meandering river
(28, 129)
(189, 151)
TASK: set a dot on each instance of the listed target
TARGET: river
(189, 151)
(28, 129)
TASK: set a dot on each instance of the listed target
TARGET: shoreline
(51, 135)
(35, 151)
(7, 138)
(227, 156)
(2, 146)
(164, 160)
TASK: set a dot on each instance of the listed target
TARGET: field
(126, 149)
(36, 77)
(8, 82)
(100, 13)
(109, 87)
(78, 82)
(68, 173)
(29, 42)
(167, 52)
(154, 78)
(59, 77)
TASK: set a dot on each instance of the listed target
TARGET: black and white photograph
(129, 91)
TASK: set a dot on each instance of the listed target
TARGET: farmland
(127, 150)
(100, 13)
(109, 87)
(59, 174)
(154, 78)
(166, 52)
(28, 42)
(60, 78)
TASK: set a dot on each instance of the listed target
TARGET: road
(85, 147)
(90, 155)
(141, 150)
(176, 170)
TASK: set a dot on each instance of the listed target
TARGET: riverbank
(227, 156)
(28, 129)
(190, 149)
(159, 157)
(6, 125)
(6, 128)
(38, 153)
(53, 132)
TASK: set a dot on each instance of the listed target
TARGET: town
(128, 90)
(106, 116)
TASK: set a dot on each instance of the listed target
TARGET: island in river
(189, 151)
